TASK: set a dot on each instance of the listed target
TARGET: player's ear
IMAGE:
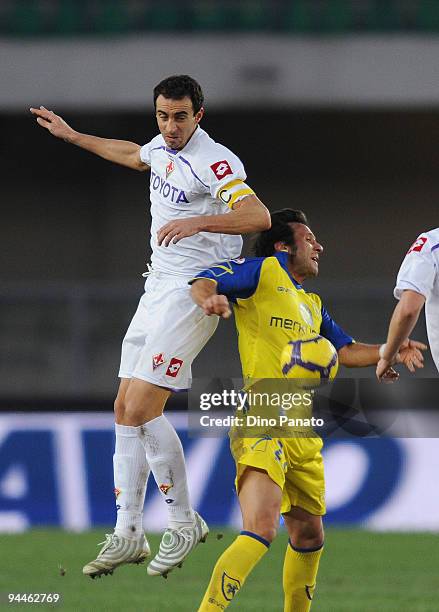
(281, 246)
(199, 115)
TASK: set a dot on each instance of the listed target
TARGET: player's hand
(53, 123)
(385, 373)
(174, 231)
(217, 304)
(410, 354)
(383, 366)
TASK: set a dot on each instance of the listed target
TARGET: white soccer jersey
(420, 272)
(189, 183)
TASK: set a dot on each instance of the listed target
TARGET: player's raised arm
(121, 152)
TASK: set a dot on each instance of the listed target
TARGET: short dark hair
(178, 87)
(280, 231)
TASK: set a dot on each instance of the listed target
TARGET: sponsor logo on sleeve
(418, 245)
(221, 169)
(174, 367)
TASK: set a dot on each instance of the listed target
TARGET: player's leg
(145, 403)
(127, 544)
(131, 470)
(305, 486)
(302, 558)
(260, 500)
(177, 332)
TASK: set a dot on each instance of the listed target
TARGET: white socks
(166, 460)
(131, 473)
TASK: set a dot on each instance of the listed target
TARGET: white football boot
(176, 545)
(117, 550)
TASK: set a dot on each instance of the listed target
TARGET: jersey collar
(192, 139)
(283, 260)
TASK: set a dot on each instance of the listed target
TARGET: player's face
(305, 261)
(176, 120)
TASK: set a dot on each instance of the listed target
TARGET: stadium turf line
(360, 572)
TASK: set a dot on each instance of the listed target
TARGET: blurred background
(333, 106)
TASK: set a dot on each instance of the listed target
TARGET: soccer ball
(313, 358)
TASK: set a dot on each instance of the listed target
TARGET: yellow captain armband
(233, 192)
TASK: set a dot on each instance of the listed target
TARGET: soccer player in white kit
(200, 204)
(417, 284)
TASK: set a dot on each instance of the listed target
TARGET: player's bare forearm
(403, 321)
(204, 293)
(201, 289)
(399, 347)
(359, 355)
(121, 152)
(248, 215)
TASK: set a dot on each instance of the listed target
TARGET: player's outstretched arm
(204, 294)
(248, 215)
(358, 355)
(121, 152)
(404, 319)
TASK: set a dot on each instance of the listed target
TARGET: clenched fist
(217, 304)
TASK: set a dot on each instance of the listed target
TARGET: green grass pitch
(359, 572)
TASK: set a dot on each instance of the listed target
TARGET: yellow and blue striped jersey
(271, 309)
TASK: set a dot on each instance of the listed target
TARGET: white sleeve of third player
(418, 270)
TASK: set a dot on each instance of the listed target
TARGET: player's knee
(119, 410)
(267, 530)
(143, 402)
(134, 412)
(264, 526)
(308, 535)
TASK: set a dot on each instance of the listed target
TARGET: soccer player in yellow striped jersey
(278, 475)
(272, 308)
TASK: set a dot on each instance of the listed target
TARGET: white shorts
(166, 333)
